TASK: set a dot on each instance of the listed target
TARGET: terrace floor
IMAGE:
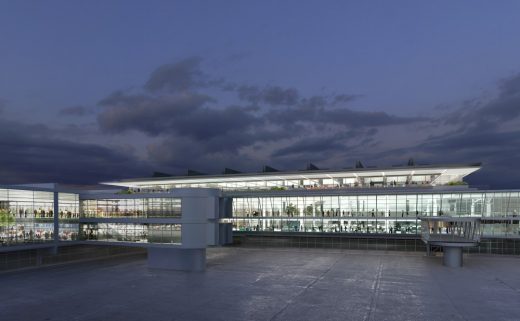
(270, 284)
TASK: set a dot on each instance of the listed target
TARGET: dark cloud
(152, 115)
(315, 113)
(36, 153)
(505, 107)
(207, 123)
(474, 141)
(344, 98)
(184, 125)
(174, 107)
(179, 154)
(179, 76)
(485, 131)
(272, 95)
(510, 86)
(337, 143)
(120, 98)
(315, 102)
(314, 145)
(497, 150)
(76, 111)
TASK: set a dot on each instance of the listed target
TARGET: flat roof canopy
(448, 170)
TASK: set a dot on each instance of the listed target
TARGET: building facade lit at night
(387, 203)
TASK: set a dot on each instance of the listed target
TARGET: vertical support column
(200, 208)
(452, 256)
(56, 218)
(225, 230)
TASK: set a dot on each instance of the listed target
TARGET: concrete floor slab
(270, 284)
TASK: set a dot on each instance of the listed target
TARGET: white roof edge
(463, 170)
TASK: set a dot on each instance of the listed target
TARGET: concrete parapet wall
(64, 254)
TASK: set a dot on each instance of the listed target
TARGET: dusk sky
(100, 90)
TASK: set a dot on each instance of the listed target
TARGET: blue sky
(421, 63)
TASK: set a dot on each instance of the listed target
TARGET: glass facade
(378, 213)
(320, 182)
(29, 216)
(68, 216)
(136, 207)
(26, 216)
(136, 233)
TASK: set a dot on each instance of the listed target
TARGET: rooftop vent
(230, 171)
(269, 169)
(312, 167)
(194, 173)
(161, 174)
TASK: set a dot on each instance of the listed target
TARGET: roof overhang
(448, 170)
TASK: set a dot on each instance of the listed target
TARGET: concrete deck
(270, 284)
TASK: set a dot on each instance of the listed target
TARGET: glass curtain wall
(26, 216)
(68, 216)
(138, 207)
(389, 214)
(137, 233)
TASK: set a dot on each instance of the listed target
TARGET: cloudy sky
(98, 90)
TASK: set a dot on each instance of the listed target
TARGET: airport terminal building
(362, 208)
